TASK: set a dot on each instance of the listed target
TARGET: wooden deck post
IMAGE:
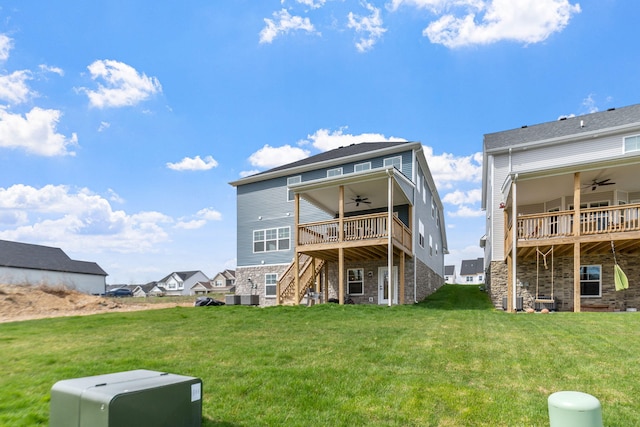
(296, 258)
(390, 237)
(576, 245)
(341, 248)
(401, 298)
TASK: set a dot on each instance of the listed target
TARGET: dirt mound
(36, 302)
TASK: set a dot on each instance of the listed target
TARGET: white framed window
(355, 281)
(418, 183)
(424, 192)
(396, 162)
(436, 249)
(437, 218)
(469, 279)
(591, 281)
(420, 233)
(270, 283)
(631, 143)
(433, 208)
(334, 172)
(430, 245)
(271, 239)
(292, 180)
(218, 283)
(362, 167)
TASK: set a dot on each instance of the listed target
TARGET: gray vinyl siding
(579, 152)
(422, 212)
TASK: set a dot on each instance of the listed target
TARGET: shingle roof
(36, 257)
(183, 275)
(327, 156)
(569, 126)
(472, 266)
(449, 270)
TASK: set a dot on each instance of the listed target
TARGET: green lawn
(450, 361)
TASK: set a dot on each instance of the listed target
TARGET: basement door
(383, 285)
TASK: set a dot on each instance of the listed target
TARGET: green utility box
(139, 398)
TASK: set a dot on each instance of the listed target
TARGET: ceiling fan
(357, 200)
(595, 184)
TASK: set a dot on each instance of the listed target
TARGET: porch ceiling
(369, 186)
(538, 187)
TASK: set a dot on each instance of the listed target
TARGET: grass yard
(450, 361)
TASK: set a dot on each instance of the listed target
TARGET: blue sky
(122, 122)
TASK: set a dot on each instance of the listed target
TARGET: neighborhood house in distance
(182, 283)
(332, 227)
(562, 203)
(24, 263)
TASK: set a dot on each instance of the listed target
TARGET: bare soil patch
(25, 302)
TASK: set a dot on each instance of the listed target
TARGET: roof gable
(472, 266)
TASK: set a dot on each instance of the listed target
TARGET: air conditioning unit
(139, 398)
(518, 303)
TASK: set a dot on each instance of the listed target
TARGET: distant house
(224, 282)
(148, 290)
(472, 271)
(201, 288)
(182, 282)
(23, 263)
(450, 274)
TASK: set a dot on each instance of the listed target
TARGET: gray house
(332, 226)
(450, 274)
(560, 198)
(27, 264)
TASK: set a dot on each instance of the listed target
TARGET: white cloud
(35, 132)
(448, 169)
(458, 197)
(194, 164)
(269, 157)
(313, 4)
(5, 47)
(78, 220)
(124, 86)
(209, 214)
(369, 26)
(13, 87)
(201, 218)
(527, 21)
(325, 140)
(104, 126)
(589, 103)
(49, 69)
(284, 23)
(114, 197)
(191, 225)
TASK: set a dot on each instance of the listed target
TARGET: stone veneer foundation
(528, 275)
(427, 281)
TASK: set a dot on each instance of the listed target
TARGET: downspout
(390, 237)
(514, 238)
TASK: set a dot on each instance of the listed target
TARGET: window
(334, 172)
(218, 283)
(433, 208)
(590, 280)
(396, 162)
(424, 192)
(437, 218)
(430, 245)
(418, 183)
(271, 239)
(436, 249)
(420, 233)
(469, 279)
(632, 143)
(270, 282)
(292, 180)
(480, 278)
(355, 281)
(362, 167)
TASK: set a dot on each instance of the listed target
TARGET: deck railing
(364, 227)
(601, 220)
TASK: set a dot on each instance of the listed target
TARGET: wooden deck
(598, 226)
(358, 234)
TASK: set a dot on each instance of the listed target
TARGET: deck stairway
(309, 269)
